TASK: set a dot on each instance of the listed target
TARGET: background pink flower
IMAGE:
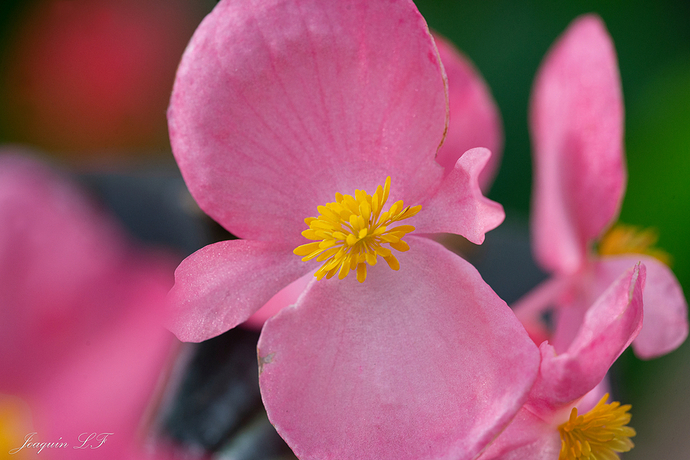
(577, 128)
(82, 309)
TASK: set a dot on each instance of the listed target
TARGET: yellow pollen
(598, 434)
(350, 233)
(628, 239)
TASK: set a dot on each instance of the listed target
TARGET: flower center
(628, 239)
(598, 434)
(350, 233)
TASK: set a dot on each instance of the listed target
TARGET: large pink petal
(422, 363)
(279, 104)
(577, 132)
(223, 284)
(665, 308)
(458, 206)
(609, 326)
(474, 117)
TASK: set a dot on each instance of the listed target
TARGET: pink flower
(549, 426)
(474, 121)
(83, 343)
(278, 108)
(577, 129)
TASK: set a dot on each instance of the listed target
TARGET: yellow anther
(598, 434)
(349, 233)
(628, 239)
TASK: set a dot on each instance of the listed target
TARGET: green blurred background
(506, 39)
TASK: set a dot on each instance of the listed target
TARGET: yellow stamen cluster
(350, 233)
(628, 239)
(598, 434)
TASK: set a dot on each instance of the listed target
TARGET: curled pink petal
(665, 308)
(474, 117)
(423, 363)
(459, 206)
(576, 122)
(223, 284)
(274, 110)
(609, 326)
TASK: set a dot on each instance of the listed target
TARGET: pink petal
(458, 206)
(107, 386)
(474, 117)
(422, 363)
(591, 399)
(528, 437)
(287, 296)
(82, 311)
(278, 105)
(66, 271)
(223, 284)
(577, 132)
(609, 326)
(665, 308)
(531, 307)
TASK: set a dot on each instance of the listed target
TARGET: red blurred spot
(96, 74)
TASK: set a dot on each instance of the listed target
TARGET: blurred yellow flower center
(628, 239)
(352, 232)
(598, 434)
(15, 425)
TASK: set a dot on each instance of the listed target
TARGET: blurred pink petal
(665, 308)
(577, 131)
(474, 117)
(413, 355)
(82, 312)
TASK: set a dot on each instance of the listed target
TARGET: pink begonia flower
(577, 129)
(83, 340)
(280, 106)
(474, 121)
(553, 420)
